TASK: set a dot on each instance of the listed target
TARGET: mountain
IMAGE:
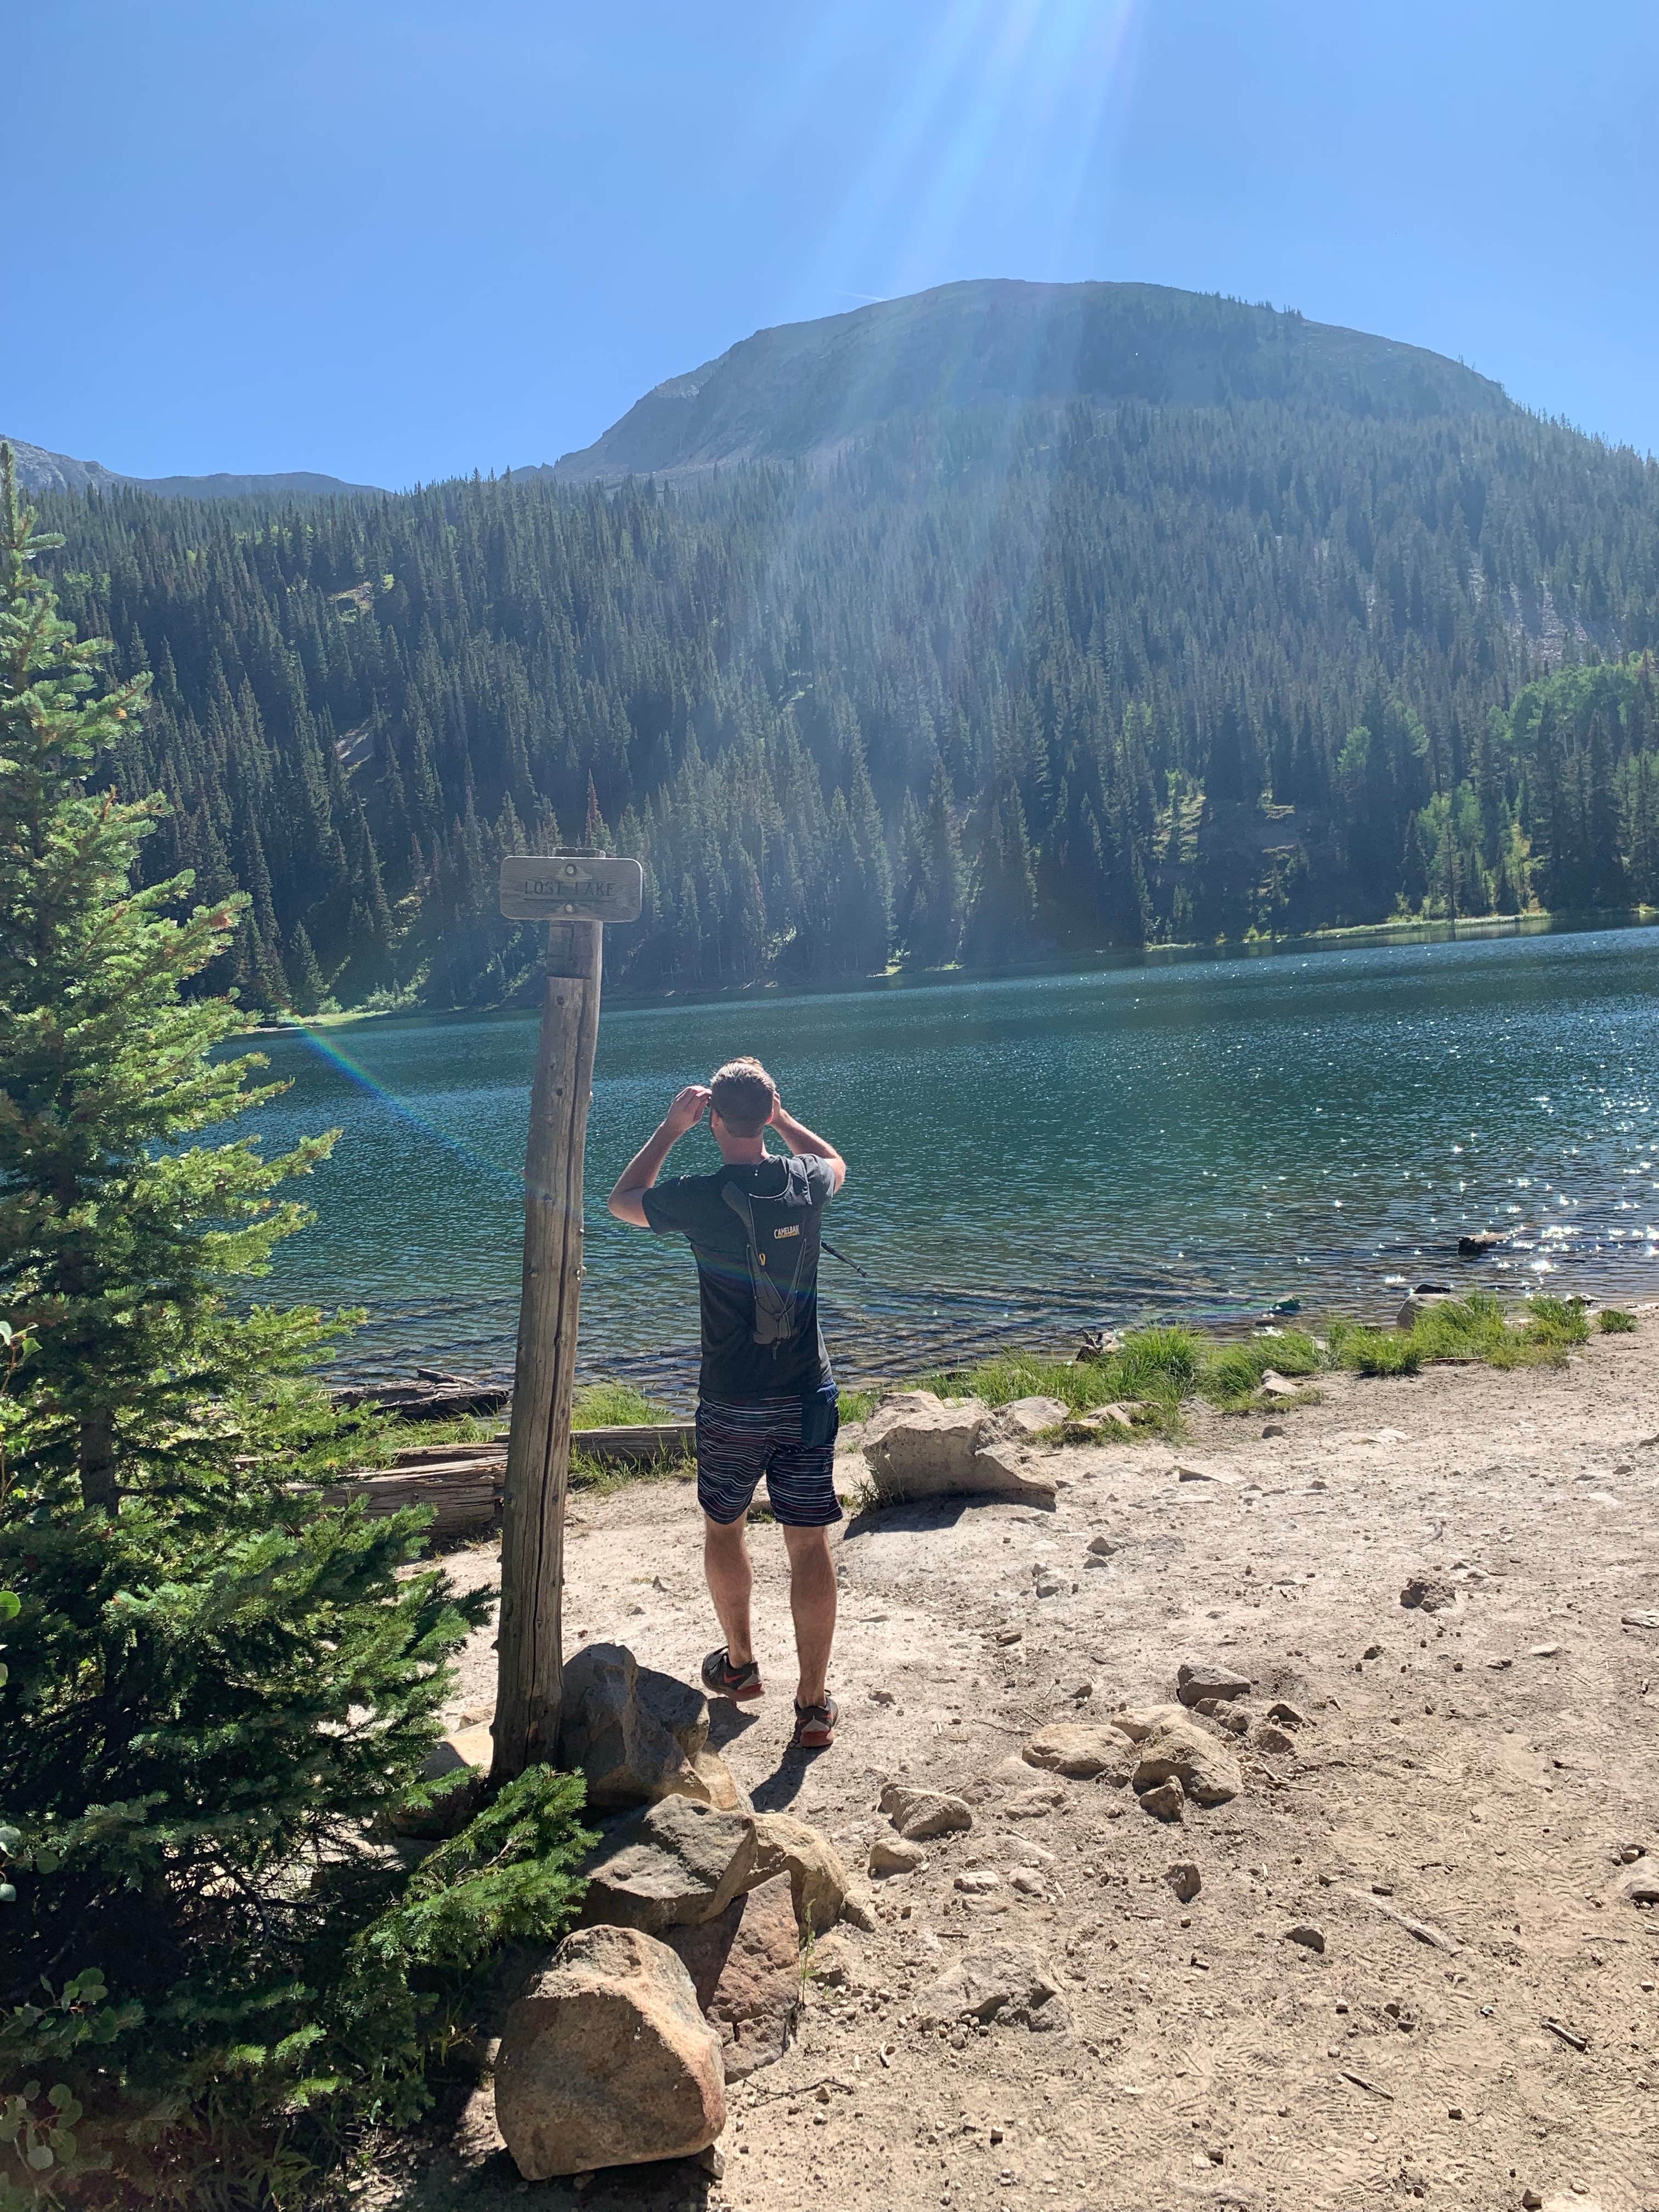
(39, 471)
(806, 388)
(1285, 628)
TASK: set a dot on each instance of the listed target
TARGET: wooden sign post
(577, 893)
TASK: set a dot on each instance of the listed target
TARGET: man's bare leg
(731, 1584)
(812, 1602)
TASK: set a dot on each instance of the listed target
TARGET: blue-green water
(1032, 1156)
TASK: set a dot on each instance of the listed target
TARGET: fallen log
(429, 1396)
(463, 1483)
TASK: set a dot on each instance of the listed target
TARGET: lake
(1195, 1137)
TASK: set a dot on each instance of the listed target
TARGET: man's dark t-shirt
(735, 1369)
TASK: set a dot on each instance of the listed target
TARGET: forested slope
(991, 683)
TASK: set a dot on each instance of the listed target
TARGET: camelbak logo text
(793, 1230)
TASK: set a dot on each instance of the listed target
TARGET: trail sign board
(571, 887)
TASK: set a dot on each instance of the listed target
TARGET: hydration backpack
(782, 1236)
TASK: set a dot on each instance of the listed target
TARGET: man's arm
(626, 1201)
(800, 1139)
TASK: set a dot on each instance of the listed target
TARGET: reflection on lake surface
(1028, 1157)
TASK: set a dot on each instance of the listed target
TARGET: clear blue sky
(403, 239)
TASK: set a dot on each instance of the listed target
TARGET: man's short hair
(743, 1096)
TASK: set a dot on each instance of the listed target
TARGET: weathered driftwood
(430, 1395)
(637, 1443)
(465, 1494)
(463, 1482)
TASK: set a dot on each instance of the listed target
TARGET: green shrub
(1614, 1321)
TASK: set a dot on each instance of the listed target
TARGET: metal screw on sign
(576, 893)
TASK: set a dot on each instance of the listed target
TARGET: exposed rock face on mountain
(807, 387)
(39, 471)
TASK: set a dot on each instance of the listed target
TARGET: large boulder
(817, 1878)
(634, 1733)
(745, 1968)
(606, 2060)
(918, 1445)
(1000, 1982)
(1172, 1746)
(673, 1865)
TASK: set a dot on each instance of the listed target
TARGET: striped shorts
(739, 1445)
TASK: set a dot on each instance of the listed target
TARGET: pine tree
(115, 1244)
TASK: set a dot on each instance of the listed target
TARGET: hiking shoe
(815, 1725)
(722, 1680)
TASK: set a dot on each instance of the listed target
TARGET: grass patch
(1614, 1321)
(605, 1405)
(600, 1478)
(858, 1405)
(1232, 1377)
(1464, 1330)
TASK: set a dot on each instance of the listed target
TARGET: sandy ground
(1478, 1769)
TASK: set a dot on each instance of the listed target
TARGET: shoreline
(1566, 922)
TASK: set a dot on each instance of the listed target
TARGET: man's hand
(800, 1139)
(626, 1201)
(688, 1109)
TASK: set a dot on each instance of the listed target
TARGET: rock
(1024, 1418)
(1001, 1471)
(1235, 1719)
(1196, 1678)
(674, 1864)
(1273, 1385)
(1101, 1547)
(1420, 1302)
(1172, 1744)
(1073, 1749)
(634, 1733)
(463, 1750)
(917, 1445)
(920, 1814)
(1638, 1883)
(1116, 1418)
(1184, 1878)
(710, 1781)
(1165, 1801)
(1483, 1241)
(1308, 1935)
(607, 2061)
(978, 1881)
(745, 1968)
(1033, 1804)
(1640, 1619)
(1287, 1715)
(817, 1878)
(1273, 1429)
(1000, 1982)
(1425, 1593)
(892, 1855)
(1029, 1882)
(1047, 1582)
(1273, 1740)
(833, 1964)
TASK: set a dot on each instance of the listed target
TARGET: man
(766, 1398)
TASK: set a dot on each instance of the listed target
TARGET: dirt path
(1477, 1768)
